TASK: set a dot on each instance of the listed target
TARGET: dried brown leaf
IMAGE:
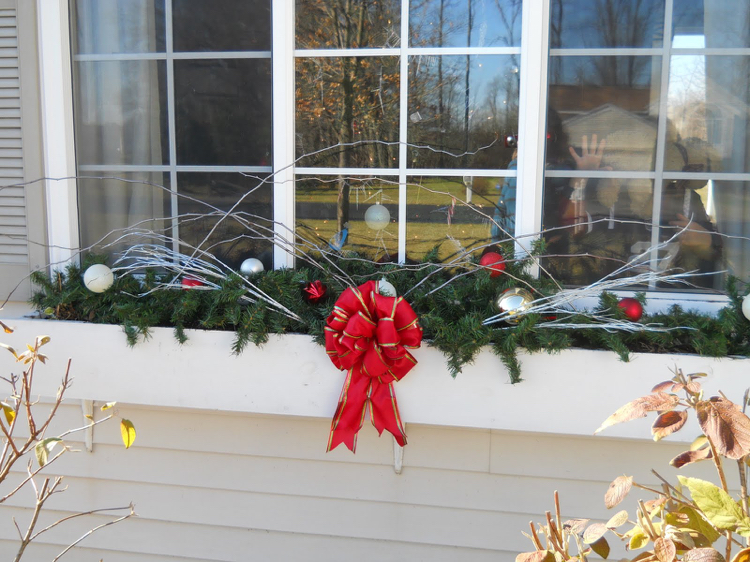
(703, 555)
(575, 526)
(724, 423)
(650, 505)
(665, 549)
(667, 423)
(640, 407)
(617, 491)
(536, 556)
(619, 518)
(694, 387)
(663, 386)
(594, 532)
(690, 457)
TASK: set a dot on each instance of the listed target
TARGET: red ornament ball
(632, 308)
(189, 282)
(494, 262)
(314, 291)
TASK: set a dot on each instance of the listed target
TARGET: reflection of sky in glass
(606, 23)
(494, 23)
(723, 24)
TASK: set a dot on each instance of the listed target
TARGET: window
(666, 87)
(414, 123)
(173, 104)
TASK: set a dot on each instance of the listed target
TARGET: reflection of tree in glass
(452, 108)
(607, 24)
(341, 100)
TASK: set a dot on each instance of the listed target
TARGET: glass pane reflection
(108, 206)
(453, 212)
(610, 223)
(321, 200)
(461, 110)
(121, 112)
(233, 241)
(221, 25)
(709, 113)
(223, 112)
(114, 26)
(331, 24)
(606, 23)
(615, 98)
(352, 102)
(465, 23)
(699, 23)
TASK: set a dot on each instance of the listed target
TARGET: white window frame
(59, 152)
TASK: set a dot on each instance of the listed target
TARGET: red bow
(368, 334)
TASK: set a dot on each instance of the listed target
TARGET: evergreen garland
(451, 316)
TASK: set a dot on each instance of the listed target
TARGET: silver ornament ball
(746, 306)
(377, 217)
(98, 278)
(251, 266)
(386, 289)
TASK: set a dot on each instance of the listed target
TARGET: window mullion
(532, 121)
(282, 13)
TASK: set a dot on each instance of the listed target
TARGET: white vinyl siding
(231, 487)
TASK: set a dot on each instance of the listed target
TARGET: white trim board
(570, 393)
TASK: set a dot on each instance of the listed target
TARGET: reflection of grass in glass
(361, 193)
(361, 238)
(421, 237)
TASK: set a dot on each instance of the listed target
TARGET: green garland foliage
(451, 316)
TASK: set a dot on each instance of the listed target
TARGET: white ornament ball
(251, 266)
(377, 217)
(98, 278)
(386, 289)
(746, 306)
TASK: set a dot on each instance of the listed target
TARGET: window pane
(606, 23)
(610, 223)
(615, 98)
(106, 207)
(465, 23)
(318, 202)
(461, 108)
(223, 112)
(436, 214)
(121, 112)
(709, 111)
(712, 24)
(698, 250)
(117, 26)
(728, 206)
(332, 24)
(221, 25)
(349, 101)
(241, 236)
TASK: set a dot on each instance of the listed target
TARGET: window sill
(571, 392)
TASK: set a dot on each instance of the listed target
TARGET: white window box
(570, 392)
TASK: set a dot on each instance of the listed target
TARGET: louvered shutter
(21, 208)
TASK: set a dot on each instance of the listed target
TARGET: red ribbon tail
(350, 412)
(384, 411)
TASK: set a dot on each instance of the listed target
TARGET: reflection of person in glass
(504, 219)
(610, 220)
